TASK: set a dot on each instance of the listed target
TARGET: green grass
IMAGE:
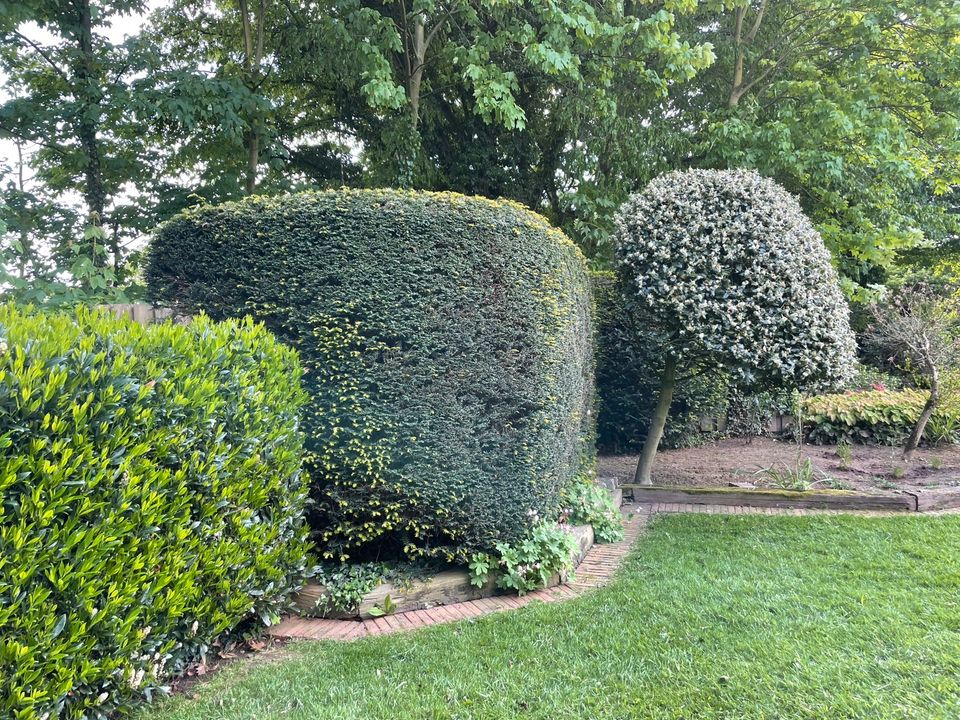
(712, 617)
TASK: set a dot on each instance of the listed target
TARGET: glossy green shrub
(151, 500)
(447, 347)
(628, 380)
(877, 416)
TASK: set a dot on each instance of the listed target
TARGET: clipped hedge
(628, 381)
(150, 501)
(881, 417)
(447, 346)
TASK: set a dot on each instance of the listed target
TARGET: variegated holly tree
(729, 272)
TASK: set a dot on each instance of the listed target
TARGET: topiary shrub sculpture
(446, 343)
(730, 273)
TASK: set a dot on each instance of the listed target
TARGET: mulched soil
(736, 461)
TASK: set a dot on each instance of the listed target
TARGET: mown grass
(712, 617)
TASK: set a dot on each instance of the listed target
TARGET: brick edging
(598, 567)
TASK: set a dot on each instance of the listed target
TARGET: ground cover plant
(724, 270)
(447, 348)
(151, 500)
(712, 617)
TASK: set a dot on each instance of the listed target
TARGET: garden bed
(443, 588)
(870, 469)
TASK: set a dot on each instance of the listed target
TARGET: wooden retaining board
(929, 500)
(820, 499)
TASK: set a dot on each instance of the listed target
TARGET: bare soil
(737, 461)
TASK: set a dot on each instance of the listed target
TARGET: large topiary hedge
(447, 346)
(150, 501)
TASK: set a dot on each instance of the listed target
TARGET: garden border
(444, 588)
(598, 568)
(905, 501)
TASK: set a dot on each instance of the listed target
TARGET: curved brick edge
(597, 568)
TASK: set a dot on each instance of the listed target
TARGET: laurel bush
(151, 500)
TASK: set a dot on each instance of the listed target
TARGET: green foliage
(728, 270)
(847, 104)
(882, 417)
(528, 564)
(590, 504)
(844, 453)
(346, 584)
(151, 500)
(800, 477)
(447, 347)
(628, 370)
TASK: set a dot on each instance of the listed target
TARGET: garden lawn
(712, 617)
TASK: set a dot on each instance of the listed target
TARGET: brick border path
(598, 567)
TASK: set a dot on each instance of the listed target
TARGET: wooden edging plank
(825, 499)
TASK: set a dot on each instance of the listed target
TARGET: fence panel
(144, 313)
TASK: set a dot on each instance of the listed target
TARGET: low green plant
(835, 484)
(545, 552)
(801, 477)
(845, 453)
(590, 504)
(388, 608)
(151, 502)
(877, 416)
(936, 463)
(346, 585)
(898, 471)
(943, 428)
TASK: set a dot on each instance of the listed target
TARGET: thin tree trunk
(252, 57)
(657, 422)
(94, 192)
(253, 161)
(917, 434)
(416, 72)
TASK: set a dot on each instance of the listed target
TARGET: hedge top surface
(730, 267)
(446, 342)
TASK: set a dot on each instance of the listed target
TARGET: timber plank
(825, 499)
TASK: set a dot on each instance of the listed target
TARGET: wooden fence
(144, 313)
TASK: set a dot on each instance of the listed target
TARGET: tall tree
(67, 88)
(495, 78)
(851, 104)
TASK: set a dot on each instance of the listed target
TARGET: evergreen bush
(448, 352)
(151, 501)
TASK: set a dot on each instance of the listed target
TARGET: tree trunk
(94, 192)
(416, 71)
(252, 58)
(915, 436)
(659, 419)
(736, 89)
(253, 161)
